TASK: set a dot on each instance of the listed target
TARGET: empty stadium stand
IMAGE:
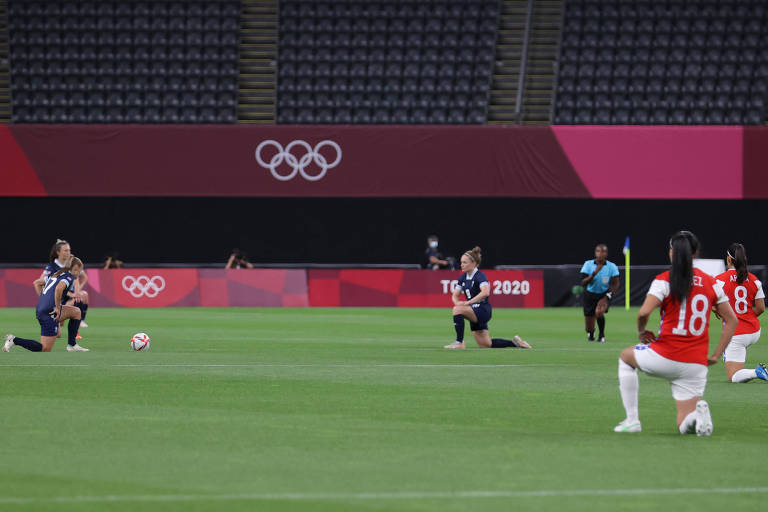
(5, 77)
(384, 61)
(395, 62)
(132, 62)
(665, 62)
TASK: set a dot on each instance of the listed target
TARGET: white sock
(744, 375)
(628, 386)
(689, 424)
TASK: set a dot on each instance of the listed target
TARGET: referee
(600, 279)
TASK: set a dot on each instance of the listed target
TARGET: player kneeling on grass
(686, 296)
(745, 293)
(51, 311)
(475, 286)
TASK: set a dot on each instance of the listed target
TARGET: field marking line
(286, 365)
(329, 365)
(341, 496)
(44, 365)
(535, 349)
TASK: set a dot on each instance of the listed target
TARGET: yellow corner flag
(626, 273)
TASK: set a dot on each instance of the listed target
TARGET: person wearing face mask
(434, 259)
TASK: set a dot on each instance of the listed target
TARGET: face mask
(433, 244)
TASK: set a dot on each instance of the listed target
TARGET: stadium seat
(113, 50)
(389, 52)
(676, 55)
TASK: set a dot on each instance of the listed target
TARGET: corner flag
(626, 272)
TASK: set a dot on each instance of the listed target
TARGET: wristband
(609, 295)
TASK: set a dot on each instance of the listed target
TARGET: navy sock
(31, 345)
(601, 326)
(83, 310)
(502, 343)
(458, 323)
(72, 328)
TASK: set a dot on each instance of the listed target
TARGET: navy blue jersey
(51, 269)
(470, 286)
(47, 302)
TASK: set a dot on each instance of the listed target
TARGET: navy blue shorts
(47, 326)
(483, 314)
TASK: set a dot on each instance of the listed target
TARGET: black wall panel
(333, 230)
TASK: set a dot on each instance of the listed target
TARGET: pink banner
(654, 162)
(257, 287)
(419, 288)
(661, 162)
(16, 288)
(280, 161)
(154, 287)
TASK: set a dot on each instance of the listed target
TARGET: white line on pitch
(39, 365)
(287, 365)
(341, 496)
(269, 365)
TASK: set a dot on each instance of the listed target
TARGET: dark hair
(684, 245)
(738, 255)
(55, 249)
(74, 261)
(475, 254)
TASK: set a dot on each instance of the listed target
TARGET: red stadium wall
(658, 162)
(154, 287)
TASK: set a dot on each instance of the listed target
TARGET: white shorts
(687, 380)
(736, 351)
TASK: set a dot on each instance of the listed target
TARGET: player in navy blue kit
(475, 288)
(51, 310)
(59, 258)
(600, 278)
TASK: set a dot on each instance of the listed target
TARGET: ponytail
(738, 255)
(475, 254)
(74, 261)
(684, 246)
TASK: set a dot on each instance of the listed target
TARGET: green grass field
(358, 409)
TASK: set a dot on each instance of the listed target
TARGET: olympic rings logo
(144, 286)
(296, 164)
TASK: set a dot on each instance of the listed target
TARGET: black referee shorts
(590, 300)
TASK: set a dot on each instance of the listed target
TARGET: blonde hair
(74, 261)
(475, 254)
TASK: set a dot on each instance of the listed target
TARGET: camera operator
(237, 260)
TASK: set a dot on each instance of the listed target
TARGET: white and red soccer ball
(140, 342)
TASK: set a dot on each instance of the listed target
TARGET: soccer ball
(140, 342)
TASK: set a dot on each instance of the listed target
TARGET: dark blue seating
(373, 58)
(114, 61)
(693, 61)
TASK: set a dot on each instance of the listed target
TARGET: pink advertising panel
(419, 288)
(660, 162)
(162, 287)
(649, 162)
